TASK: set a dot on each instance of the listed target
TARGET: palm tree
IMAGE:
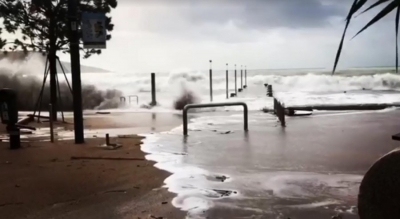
(357, 6)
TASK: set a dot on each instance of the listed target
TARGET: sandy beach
(63, 180)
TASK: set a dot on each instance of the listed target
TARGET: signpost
(94, 33)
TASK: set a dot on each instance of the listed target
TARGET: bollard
(269, 91)
(235, 81)
(9, 116)
(227, 84)
(241, 77)
(51, 124)
(107, 139)
(211, 88)
(153, 89)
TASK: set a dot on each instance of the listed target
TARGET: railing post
(153, 89)
(227, 84)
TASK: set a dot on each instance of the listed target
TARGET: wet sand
(41, 180)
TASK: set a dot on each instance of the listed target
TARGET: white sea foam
(293, 89)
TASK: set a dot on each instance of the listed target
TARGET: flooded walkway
(310, 169)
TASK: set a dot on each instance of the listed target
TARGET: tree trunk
(52, 56)
(53, 83)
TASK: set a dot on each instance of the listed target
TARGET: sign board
(94, 32)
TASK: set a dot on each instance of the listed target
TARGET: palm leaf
(354, 7)
(359, 5)
(397, 41)
(373, 6)
(390, 7)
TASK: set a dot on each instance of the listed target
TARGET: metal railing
(136, 96)
(123, 99)
(207, 105)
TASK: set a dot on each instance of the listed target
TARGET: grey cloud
(259, 14)
(246, 14)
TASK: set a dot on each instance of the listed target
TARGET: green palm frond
(356, 7)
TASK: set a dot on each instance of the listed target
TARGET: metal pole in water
(241, 76)
(211, 88)
(227, 84)
(235, 81)
(153, 89)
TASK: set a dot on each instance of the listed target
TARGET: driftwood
(106, 158)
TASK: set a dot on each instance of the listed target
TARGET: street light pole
(76, 70)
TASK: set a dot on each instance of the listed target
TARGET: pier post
(227, 84)
(281, 113)
(241, 77)
(269, 91)
(211, 88)
(245, 77)
(153, 89)
(235, 81)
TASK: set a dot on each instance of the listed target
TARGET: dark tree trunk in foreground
(53, 70)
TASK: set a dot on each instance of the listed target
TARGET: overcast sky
(163, 35)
